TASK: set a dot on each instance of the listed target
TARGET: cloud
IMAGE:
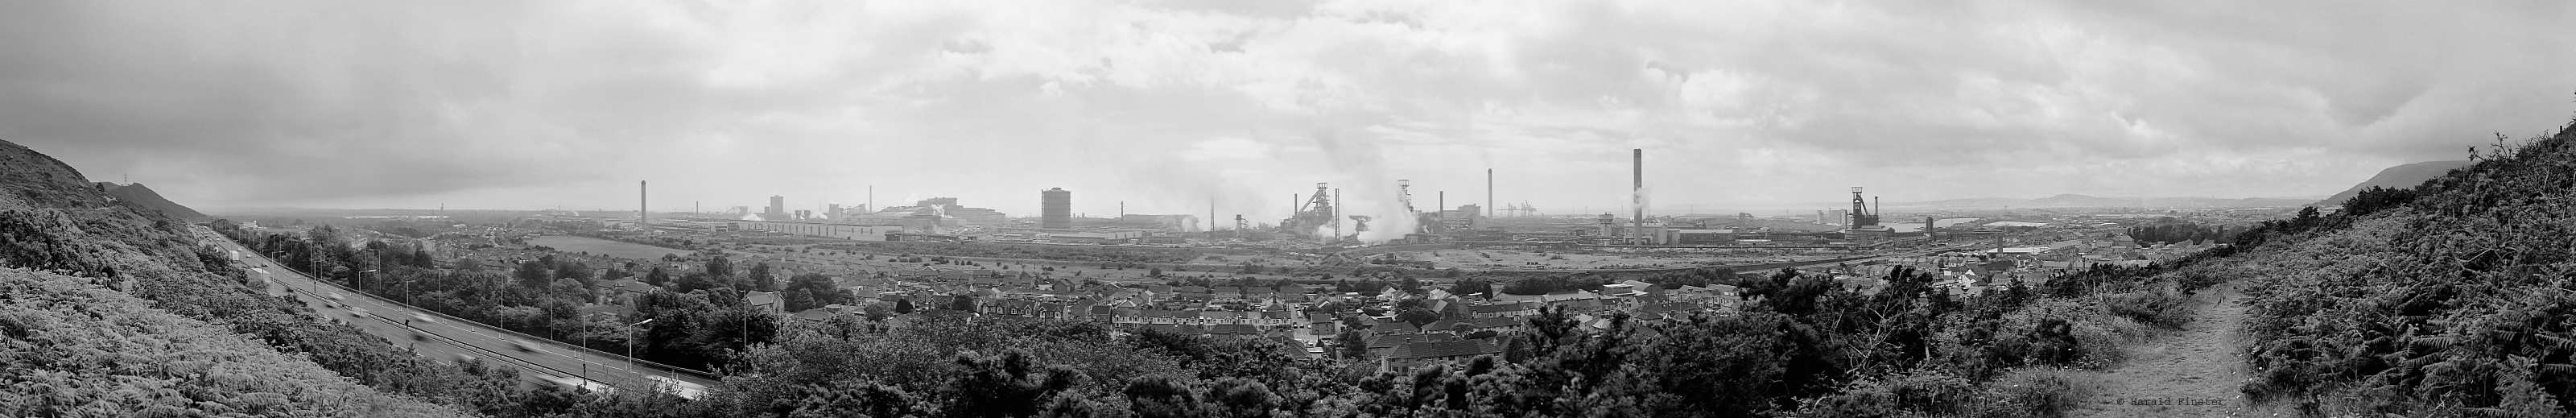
(1168, 104)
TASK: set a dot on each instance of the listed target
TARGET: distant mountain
(2085, 201)
(2402, 176)
(143, 196)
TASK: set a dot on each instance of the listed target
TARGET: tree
(532, 275)
(816, 287)
(903, 306)
(799, 301)
(875, 311)
(1354, 346)
(761, 279)
(657, 277)
(692, 282)
(965, 302)
(720, 268)
(1417, 315)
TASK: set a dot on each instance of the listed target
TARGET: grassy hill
(53, 220)
(71, 348)
(2401, 176)
(2450, 299)
(145, 197)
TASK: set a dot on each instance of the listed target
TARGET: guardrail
(709, 376)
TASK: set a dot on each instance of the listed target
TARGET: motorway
(447, 338)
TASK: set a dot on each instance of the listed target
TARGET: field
(573, 244)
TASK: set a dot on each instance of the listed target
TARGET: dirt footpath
(2191, 373)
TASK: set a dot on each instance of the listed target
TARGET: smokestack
(1337, 215)
(643, 208)
(1489, 194)
(1444, 207)
(1637, 163)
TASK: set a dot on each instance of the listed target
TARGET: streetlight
(630, 344)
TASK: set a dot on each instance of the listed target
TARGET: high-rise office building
(777, 207)
(1055, 208)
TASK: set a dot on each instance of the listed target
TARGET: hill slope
(77, 349)
(2085, 201)
(2401, 176)
(145, 197)
(2450, 299)
(51, 219)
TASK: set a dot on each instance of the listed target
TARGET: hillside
(2450, 299)
(72, 348)
(145, 197)
(2401, 176)
(53, 220)
(2071, 200)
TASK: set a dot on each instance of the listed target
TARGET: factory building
(819, 229)
(777, 208)
(1464, 218)
(1055, 209)
(945, 209)
(1163, 223)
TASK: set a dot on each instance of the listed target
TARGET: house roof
(1497, 308)
(1440, 349)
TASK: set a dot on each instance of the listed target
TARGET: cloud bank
(1169, 105)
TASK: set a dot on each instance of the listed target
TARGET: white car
(525, 347)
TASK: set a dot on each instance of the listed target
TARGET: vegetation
(69, 348)
(2449, 299)
(698, 320)
(63, 226)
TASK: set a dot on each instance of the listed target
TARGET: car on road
(525, 347)
(357, 312)
(421, 318)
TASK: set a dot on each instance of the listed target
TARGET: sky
(1172, 106)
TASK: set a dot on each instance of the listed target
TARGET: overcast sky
(1169, 104)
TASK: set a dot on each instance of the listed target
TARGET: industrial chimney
(1637, 198)
(643, 207)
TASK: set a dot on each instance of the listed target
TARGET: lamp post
(630, 344)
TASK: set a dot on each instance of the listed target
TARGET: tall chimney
(1637, 158)
(1443, 213)
(643, 208)
(1489, 194)
(1337, 215)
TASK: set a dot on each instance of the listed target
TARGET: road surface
(449, 338)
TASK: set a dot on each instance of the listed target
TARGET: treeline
(2170, 231)
(1804, 346)
(1080, 253)
(2447, 299)
(699, 317)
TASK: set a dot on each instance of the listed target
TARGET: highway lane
(449, 339)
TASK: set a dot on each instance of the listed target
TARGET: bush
(2040, 392)
(2152, 307)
